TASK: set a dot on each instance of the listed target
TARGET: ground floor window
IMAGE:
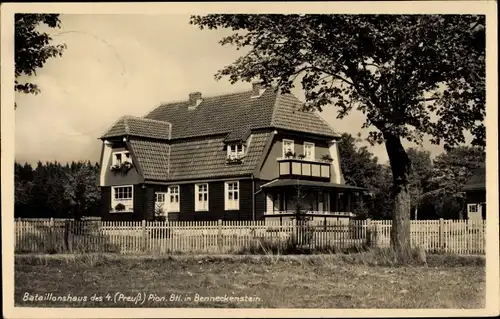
(173, 194)
(201, 197)
(160, 199)
(122, 198)
(472, 208)
(232, 195)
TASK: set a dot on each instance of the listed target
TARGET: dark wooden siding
(139, 207)
(216, 200)
(149, 202)
(105, 201)
(139, 202)
(106, 205)
(186, 202)
(246, 201)
(144, 203)
(216, 203)
(173, 216)
(476, 197)
(260, 200)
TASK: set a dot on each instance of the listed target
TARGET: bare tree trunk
(400, 166)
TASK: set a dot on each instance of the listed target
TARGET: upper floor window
(235, 150)
(121, 157)
(287, 147)
(201, 197)
(232, 195)
(309, 151)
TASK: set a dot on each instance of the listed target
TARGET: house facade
(475, 194)
(241, 156)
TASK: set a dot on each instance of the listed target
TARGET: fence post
(143, 235)
(441, 233)
(219, 235)
(52, 233)
(368, 232)
(66, 235)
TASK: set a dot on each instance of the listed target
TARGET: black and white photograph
(250, 159)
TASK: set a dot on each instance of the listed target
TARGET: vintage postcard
(250, 159)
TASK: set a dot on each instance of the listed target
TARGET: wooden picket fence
(154, 237)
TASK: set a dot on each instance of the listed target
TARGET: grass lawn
(265, 281)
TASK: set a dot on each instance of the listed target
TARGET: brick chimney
(194, 99)
(257, 88)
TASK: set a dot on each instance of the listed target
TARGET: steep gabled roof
(237, 113)
(289, 116)
(140, 127)
(477, 180)
(204, 158)
(177, 142)
(153, 158)
(194, 158)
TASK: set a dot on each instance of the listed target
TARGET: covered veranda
(314, 199)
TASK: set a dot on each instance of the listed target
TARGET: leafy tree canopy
(33, 48)
(452, 169)
(361, 168)
(420, 170)
(55, 190)
(409, 74)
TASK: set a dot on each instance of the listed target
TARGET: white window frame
(201, 205)
(472, 208)
(231, 191)
(161, 204)
(125, 157)
(284, 147)
(233, 152)
(312, 157)
(128, 202)
(174, 206)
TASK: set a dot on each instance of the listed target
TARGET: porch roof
(300, 182)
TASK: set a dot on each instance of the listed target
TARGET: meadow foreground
(244, 281)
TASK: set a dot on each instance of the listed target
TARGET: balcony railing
(294, 167)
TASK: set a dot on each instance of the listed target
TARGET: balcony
(310, 169)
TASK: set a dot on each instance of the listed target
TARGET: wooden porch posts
(348, 201)
(335, 201)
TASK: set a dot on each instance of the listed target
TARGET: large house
(475, 194)
(240, 156)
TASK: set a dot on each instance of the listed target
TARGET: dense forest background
(56, 190)
(70, 190)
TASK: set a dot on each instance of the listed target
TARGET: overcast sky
(123, 64)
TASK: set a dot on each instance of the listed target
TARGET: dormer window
(121, 157)
(235, 151)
